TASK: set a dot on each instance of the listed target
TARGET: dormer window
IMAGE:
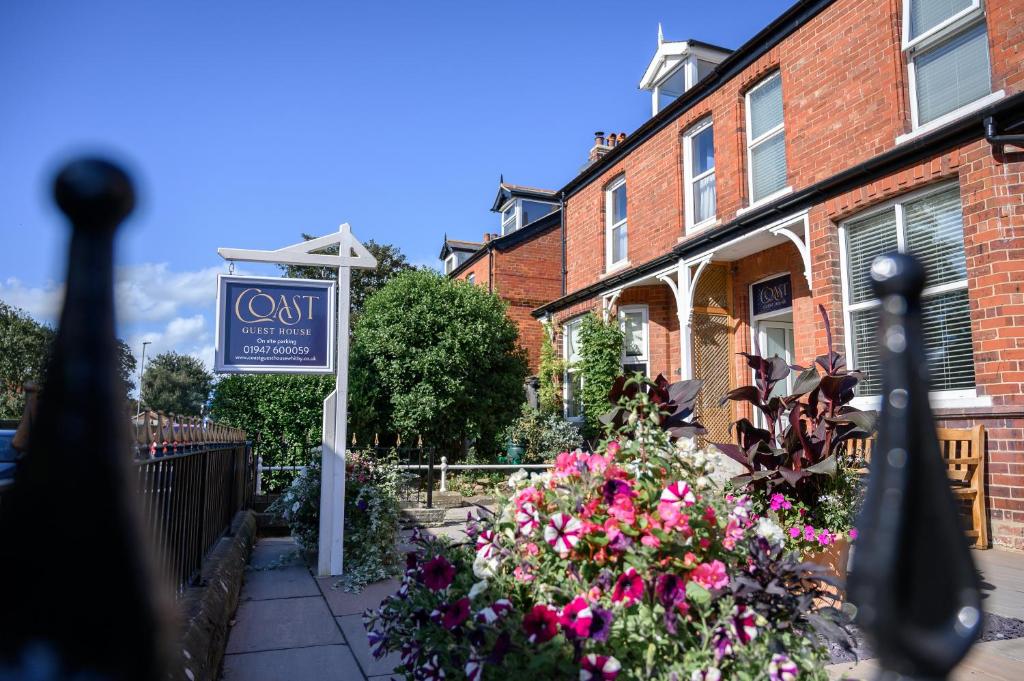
(520, 206)
(450, 263)
(678, 66)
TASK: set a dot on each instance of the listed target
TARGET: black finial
(83, 594)
(912, 578)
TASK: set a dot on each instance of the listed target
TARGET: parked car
(8, 457)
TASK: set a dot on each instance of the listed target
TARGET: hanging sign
(274, 325)
(772, 295)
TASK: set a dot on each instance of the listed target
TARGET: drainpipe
(999, 141)
(561, 218)
(490, 270)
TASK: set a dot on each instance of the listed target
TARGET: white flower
(686, 444)
(517, 477)
(478, 589)
(295, 507)
(702, 482)
(769, 530)
(540, 479)
(484, 567)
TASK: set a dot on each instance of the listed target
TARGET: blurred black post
(79, 595)
(912, 578)
(430, 476)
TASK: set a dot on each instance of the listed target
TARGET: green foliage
(176, 384)
(390, 261)
(600, 363)
(371, 515)
(282, 413)
(549, 374)
(25, 346)
(543, 435)
(437, 358)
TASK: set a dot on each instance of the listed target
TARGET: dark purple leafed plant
(672, 404)
(805, 433)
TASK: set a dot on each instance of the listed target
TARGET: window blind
(935, 234)
(867, 239)
(946, 324)
(927, 14)
(765, 107)
(952, 74)
(768, 167)
(704, 198)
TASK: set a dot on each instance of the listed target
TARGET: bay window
(616, 246)
(928, 225)
(948, 57)
(699, 175)
(766, 139)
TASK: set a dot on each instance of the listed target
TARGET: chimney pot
(599, 138)
(622, 138)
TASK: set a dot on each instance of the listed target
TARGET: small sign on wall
(773, 295)
(274, 325)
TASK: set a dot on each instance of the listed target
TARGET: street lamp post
(142, 366)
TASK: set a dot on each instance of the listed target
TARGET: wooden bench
(964, 452)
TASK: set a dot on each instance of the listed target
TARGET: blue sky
(249, 122)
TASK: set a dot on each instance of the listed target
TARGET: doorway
(771, 325)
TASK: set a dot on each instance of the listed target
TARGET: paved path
(291, 626)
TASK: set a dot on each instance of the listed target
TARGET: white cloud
(42, 302)
(153, 292)
(184, 335)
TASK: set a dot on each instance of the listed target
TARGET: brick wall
(846, 99)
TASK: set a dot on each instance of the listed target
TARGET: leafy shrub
(543, 435)
(625, 563)
(371, 515)
(801, 451)
(549, 375)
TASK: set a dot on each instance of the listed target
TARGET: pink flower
(576, 618)
(629, 587)
(523, 574)
(733, 533)
(611, 529)
(474, 669)
(597, 463)
(541, 623)
(527, 519)
(531, 549)
(493, 612)
(650, 540)
(808, 533)
(562, 533)
(779, 501)
(825, 537)
(613, 449)
(599, 667)
(709, 674)
(794, 532)
(852, 533)
(622, 508)
(485, 544)
(710, 575)
(781, 668)
(679, 493)
(438, 573)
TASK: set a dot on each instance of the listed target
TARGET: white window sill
(612, 269)
(766, 200)
(949, 399)
(701, 226)
(948, 118)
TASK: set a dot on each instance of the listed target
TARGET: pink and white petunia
(494, 612)
(599, 667)
(744, 624)
(474, 669)
(781, 668)
(485, 547)
(527, 519)
(678, 493)
(563, 533)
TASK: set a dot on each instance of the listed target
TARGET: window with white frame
(633, 322)
(616, 247)
(451, 262)
(766, 139)
(509, 218)
(471, 278)
(700, 201)
(947, 55)
(930, 226)
(573, 380)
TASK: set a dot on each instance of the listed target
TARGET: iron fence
(189, 500)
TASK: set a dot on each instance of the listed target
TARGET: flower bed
(628, 563)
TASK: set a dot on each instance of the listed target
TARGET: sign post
(253, 305)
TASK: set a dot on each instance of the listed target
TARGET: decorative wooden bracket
(351, 253)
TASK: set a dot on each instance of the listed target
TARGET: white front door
(775, 338)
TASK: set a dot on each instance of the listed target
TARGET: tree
(437, 358)
(549, 375)
(25, 346)
(176, 383)
(600, 363)
(390, 261)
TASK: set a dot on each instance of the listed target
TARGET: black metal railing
(189, 500)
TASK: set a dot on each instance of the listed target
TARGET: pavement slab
(282, 623)
(287, 582)
(275, 552)
(355, 633)
(316, 663)
(344, 603)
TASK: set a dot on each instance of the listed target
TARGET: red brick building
(522, 264)
(768, 179)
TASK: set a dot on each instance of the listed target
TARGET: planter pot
(514, 452)
(836, 558)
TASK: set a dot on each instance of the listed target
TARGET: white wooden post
(351, 254)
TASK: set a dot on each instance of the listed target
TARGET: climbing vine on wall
(600, 363)
(549, 375)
